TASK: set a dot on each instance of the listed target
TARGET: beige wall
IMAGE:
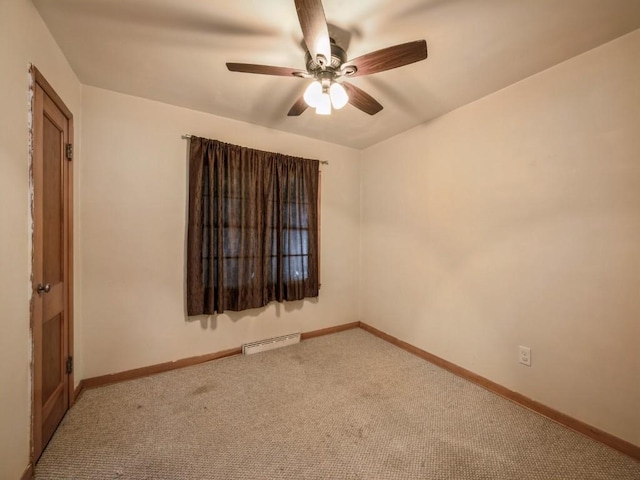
(512, 221)
(134, 180)
(23, 40)
(515, 220)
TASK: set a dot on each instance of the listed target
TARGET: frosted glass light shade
(339, 97)
(313, 94)
(324, 106)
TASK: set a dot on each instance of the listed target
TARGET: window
(253, 228)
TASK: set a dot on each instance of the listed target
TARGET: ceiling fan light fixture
(313, 94)
(324, 106)
(338, 94)
(327, 63)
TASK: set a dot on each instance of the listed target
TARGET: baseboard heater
(270, 343)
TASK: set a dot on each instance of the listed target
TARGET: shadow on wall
(211, 321)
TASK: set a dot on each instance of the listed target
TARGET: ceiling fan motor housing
(338, 57)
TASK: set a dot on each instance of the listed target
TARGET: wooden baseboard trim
(28, 473)
(158, 368)
(186, 362)
(329, 330)
(78, 391)
(559, 417)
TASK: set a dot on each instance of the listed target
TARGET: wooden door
(51, 279)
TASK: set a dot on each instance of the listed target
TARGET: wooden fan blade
(314, 28)
(265, 69)
(361, 99)
(388, 58)
(298, 107)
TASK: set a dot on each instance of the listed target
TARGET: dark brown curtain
(252, 228)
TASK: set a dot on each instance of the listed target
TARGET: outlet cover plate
(524, 355)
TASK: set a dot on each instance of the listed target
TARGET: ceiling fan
(328, 66)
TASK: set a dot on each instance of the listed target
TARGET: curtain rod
(322, 162)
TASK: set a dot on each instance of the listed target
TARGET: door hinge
(69, 151)
(69, 365)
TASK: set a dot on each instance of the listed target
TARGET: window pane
(295, 214)
(231, 271)
(231, 241)
(232, 212)
(295, 242)
(295, 268)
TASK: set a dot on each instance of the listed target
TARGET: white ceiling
(175, 52)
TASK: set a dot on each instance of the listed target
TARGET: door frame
(35, 313)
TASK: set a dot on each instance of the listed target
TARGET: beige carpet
(343, 406)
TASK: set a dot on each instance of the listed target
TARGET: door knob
(43, 288)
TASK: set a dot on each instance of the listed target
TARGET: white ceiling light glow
(322, 98)
(339, 97)
(313, 94)
(324, 107)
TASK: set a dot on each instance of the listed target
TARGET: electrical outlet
(524, 356)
